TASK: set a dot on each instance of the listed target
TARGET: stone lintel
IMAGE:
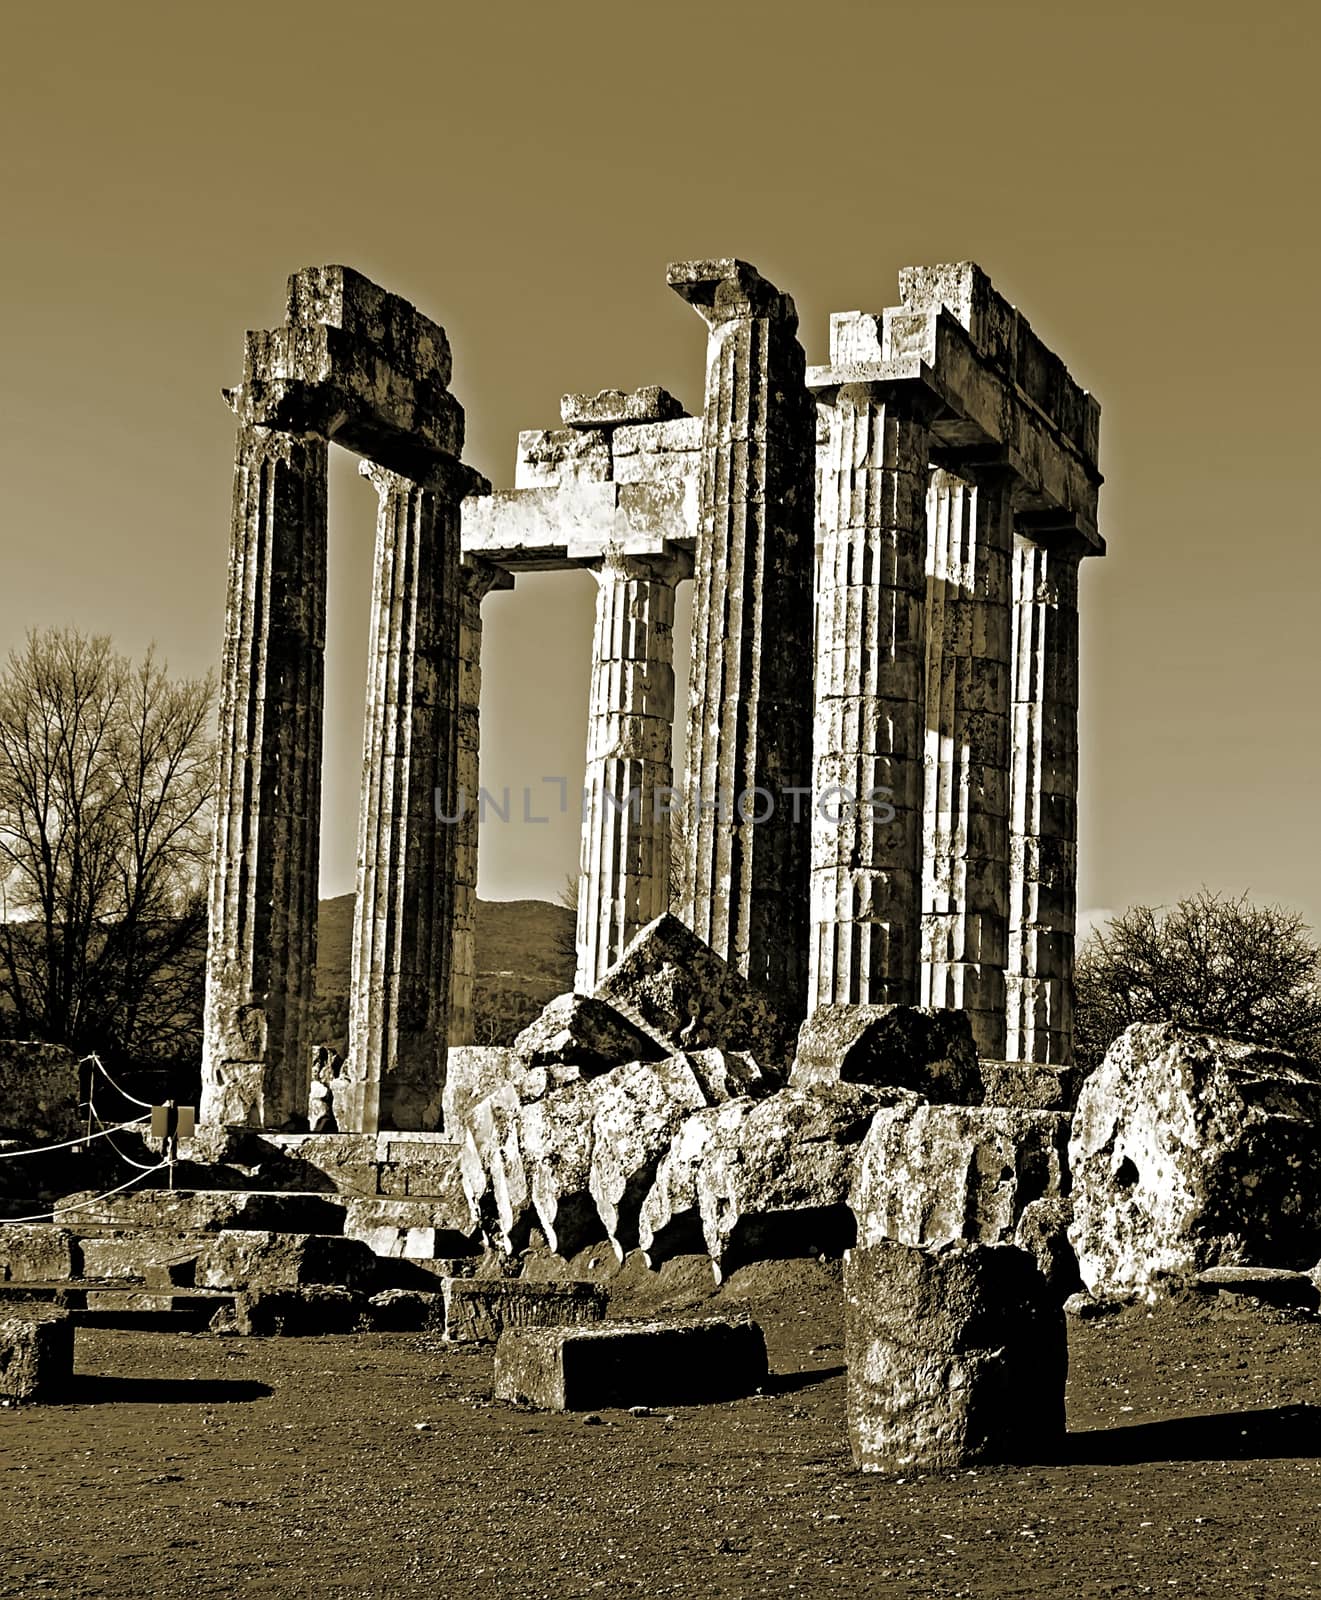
(721, 290)
(610, 407)
(546, 529)
(977, 406)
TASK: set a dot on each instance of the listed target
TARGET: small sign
(173, 1122)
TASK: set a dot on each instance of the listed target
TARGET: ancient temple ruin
(880, 793)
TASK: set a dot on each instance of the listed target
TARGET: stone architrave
(400, 984)
(965, 900)
(750, 702)
(624, 882)
(1043, 793)
(870, 698)
(263, 899)
(477, 578)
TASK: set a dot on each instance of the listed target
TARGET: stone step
(113, 1303)
(626, 1364)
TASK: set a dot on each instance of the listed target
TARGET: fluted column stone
(476, 580)
(1043, 846)
(624, 881)
(261, 957)
(966, 870)
(750, 702)
(870, 701)
(400, 984)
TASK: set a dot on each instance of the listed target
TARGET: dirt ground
(377, 1465)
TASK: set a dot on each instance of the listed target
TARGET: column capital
(728, 289)
(445, 476)
(668, 564)
(872, 384)
(1060, 536)
(479, 577)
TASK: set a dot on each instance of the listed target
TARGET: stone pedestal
(400, 985)
(1043, 845)
(965, 891)
(263, 896)
(476, 580)
(750, 703)
(957, 1357)
(625, 871)
(870, 700)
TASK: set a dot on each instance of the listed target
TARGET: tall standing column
(261, 955)
(400, 984)
(625, 872)
(1043, 846)
(870, 701)
(750, 701)
(476, 579)
(966, 876)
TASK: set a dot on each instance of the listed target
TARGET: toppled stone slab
(775, 1176)
(495, 1179)
(927, 1050)
(254, 1259)
(472, 1072)
(610, 407)
(203, 1211)
(627, 1364)
(931, 1174)
(37, 1252)
(305, 1312)
(36, 1353)
(1031, 1085)
(135, 1255)
(674, 986)
(38, 1091)
(481, 1309)
(555, 1136)
(411, 1229)
(407, 1310)
(1191, 1151)
(1276, 1286)
(957, 1357)
(581, 1030)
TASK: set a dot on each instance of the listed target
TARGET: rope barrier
(83, 1138)
(101, 1068)
(109, 1130)
(50, 1216)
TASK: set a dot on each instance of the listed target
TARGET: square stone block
(481, 1309)
(36, 1353)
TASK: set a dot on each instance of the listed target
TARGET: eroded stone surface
(481, 1309)
(36, 1353)
(583, 1030)
(906, 1047)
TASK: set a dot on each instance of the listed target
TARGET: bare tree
(106, 778)
(1213, 963)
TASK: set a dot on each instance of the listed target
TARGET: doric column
(624, 882)
(261, 954)
(750, 702)
(870, 700)
(965, 900)
(400, 985)
(476, 579)
(1044, 798)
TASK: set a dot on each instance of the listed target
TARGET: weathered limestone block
(495, 1179)
(1191, 1151)
(306, 1311)
(414, 1229)
(637, 1110)
(38, 1092)
(204, 1212)
(645, 1363)
(555, 1135)
(687, 997)
(139, 1255)
(583, 1030)
(548, 457)
(1043, 1231)
(1043, 796)
(37, 1252)
(775, 1180)
(1275, 1286)
(624, 881)
(870, 697)
(610, 407)
(36, 1353)
(480, 1309)
(750, 701)
(407, 1310)
(1032, 1085)
(253, 1258)
(906, 1047)
(670, 1218)
(261, 951)
(957, 1357)
(473, 1072)
(965, 892)
(930, 1174)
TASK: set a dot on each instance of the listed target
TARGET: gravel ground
(377, 1465)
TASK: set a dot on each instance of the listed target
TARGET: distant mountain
(524, 958)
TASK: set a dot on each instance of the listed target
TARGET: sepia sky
(1140, 179)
